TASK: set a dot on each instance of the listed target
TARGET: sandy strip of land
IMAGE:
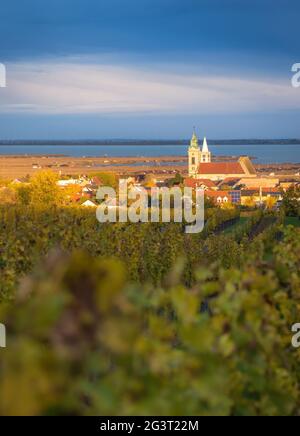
(20, 166)
(12, 167)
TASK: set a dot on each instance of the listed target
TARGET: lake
(264, 153)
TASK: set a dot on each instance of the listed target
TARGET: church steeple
(194, 155)
(205, 146)
(194, 140)
(205, 153)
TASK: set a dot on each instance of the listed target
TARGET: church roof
(205, 146)
(220, 168)
(194, 137)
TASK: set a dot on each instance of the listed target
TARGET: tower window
(193, 161)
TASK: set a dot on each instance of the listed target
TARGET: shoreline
(143, 142)
(17, 166)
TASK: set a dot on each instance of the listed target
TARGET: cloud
(69, 86)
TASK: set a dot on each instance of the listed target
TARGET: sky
(137, 69)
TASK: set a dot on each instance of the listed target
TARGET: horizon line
(153, 141)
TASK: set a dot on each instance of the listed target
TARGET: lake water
(263, 153)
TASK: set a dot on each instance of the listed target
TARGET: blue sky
(149, 68)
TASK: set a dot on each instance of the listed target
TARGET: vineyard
(149, 250)
(143, 319)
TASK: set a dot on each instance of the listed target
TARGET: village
(227, 183)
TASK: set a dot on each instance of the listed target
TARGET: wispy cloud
(71, 87)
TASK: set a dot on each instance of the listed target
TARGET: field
(20, 166)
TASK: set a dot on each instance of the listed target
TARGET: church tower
(194, 156)
(205, 153)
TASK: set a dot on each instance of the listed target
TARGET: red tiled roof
(229, 179)
(96, 181)
(193, 183)
(277, 190)
(76, 197)
(220, 168)
(271, 190)
(209, 183)
(218, 194)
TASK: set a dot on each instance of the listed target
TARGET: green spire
(194, 140)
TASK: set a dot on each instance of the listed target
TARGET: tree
(44, 188)
(208, 202)
(150, 181)
(7, 195)
(270, 203)
(107, 179)
(71, 194)
(291, 202)
(177, 180)
(23, 193)
(228, 206)
(3, 183)
(249, 202)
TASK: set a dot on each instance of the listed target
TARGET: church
(202, 167)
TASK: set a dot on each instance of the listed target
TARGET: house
(232, 182)
(285, 185)
(96, 181)
(201, 165)
(223, 197)
(68, 182)
(272, 192)
(205, 184)
(20, 181)
(88, 192)
(221, 170)
(259, 182)
(76, 197)
(89, 203)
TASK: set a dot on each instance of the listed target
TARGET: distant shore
(141, 142)
(12, 167)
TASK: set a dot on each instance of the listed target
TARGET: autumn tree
(7, 195)
(44, 188)
(270, 202)
(23, 194)
(249, 202)
(150, 181)
(107, 179)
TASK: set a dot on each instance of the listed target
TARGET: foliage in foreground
(83, 340)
